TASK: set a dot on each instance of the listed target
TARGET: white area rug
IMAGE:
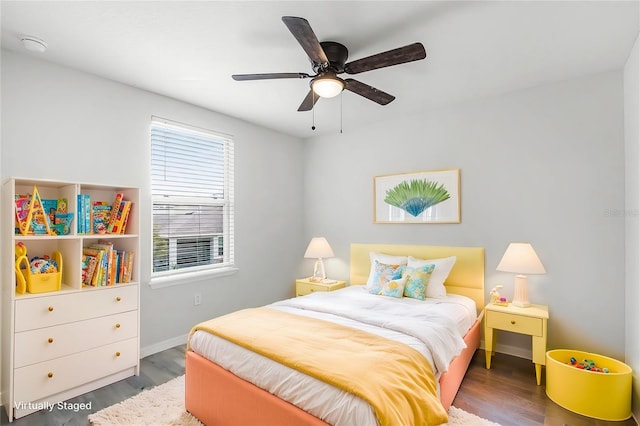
(163, 405)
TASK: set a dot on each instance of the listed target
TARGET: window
(192, 193)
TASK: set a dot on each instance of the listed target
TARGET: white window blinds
(192, 192)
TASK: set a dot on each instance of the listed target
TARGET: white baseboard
(164, 345)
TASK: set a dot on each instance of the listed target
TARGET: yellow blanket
(396, 380)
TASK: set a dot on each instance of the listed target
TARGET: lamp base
(318, 272)
(520, 292)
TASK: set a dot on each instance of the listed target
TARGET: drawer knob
(50, 340)
(50, 374)
(312, 290)
(117, 353)
(117, 325)
(513, 322)
(118, 299)
(50, 308)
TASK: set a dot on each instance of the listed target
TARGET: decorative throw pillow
(382, 258)
(417, 281)
(393, 288)
(382, 274)
(443, 266)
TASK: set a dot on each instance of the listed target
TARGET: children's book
(89, 263)
(101, 216)
(115, 207)
(62, 223)
(96, 278)
(123, 215)
(22, 211)
(50, 208)
(109, 265)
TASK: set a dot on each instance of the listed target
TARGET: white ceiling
(188, 49)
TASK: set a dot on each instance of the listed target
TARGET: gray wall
(61, 124)
(544, 165)
(632, 216)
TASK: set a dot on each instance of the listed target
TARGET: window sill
(190, 277)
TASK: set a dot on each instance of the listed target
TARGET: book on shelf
(101, 214)
(122, 216)
(95, 279)
(107, 262)
(128, 266)
(50, 207)
(89, 263)
(110, 266)
(22, 211)
(84, 214)
(114, 211)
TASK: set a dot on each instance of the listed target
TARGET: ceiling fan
(329, 58)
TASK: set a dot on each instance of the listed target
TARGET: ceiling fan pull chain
(341, 112)
(313, 110)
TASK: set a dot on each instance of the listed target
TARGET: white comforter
(434, 327)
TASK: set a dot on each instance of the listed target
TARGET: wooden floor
(506, 394)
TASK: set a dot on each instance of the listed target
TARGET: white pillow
(383, 258)
(435, 288)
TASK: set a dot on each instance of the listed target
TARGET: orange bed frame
(217, 397)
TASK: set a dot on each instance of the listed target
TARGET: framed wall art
(418, 197)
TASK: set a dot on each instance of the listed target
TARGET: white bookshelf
(60, 344)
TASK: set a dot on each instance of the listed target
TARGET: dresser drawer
(515, 323)
(43, 344)
(39, 312)
(37, 381)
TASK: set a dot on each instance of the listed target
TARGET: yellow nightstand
(531, 321)
(306, 286)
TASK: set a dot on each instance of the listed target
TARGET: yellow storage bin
(604, 396)
(37, 283)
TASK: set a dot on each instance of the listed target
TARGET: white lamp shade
(327, 87)
(521, 258)
(318, 248)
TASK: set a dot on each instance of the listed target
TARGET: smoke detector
(33, 44)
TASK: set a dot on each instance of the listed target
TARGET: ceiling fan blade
(368, 92)
(401, 55)
(309, 101)
(269, 76)
(302, 31)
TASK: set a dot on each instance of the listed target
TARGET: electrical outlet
(197, 299)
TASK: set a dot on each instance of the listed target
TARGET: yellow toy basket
(604, 396)
(36, 283)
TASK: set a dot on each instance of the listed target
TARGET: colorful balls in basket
(44, 265)
(587, 364)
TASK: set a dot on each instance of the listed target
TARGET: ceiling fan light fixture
(327, 86)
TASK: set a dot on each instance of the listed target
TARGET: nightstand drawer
(304, 288)
(517, 324)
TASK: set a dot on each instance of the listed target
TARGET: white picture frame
(417, 197)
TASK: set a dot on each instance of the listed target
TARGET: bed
(217, 396)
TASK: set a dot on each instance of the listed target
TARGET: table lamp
(521, 259)
(318, 249)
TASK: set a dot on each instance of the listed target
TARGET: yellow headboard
(466, 277)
